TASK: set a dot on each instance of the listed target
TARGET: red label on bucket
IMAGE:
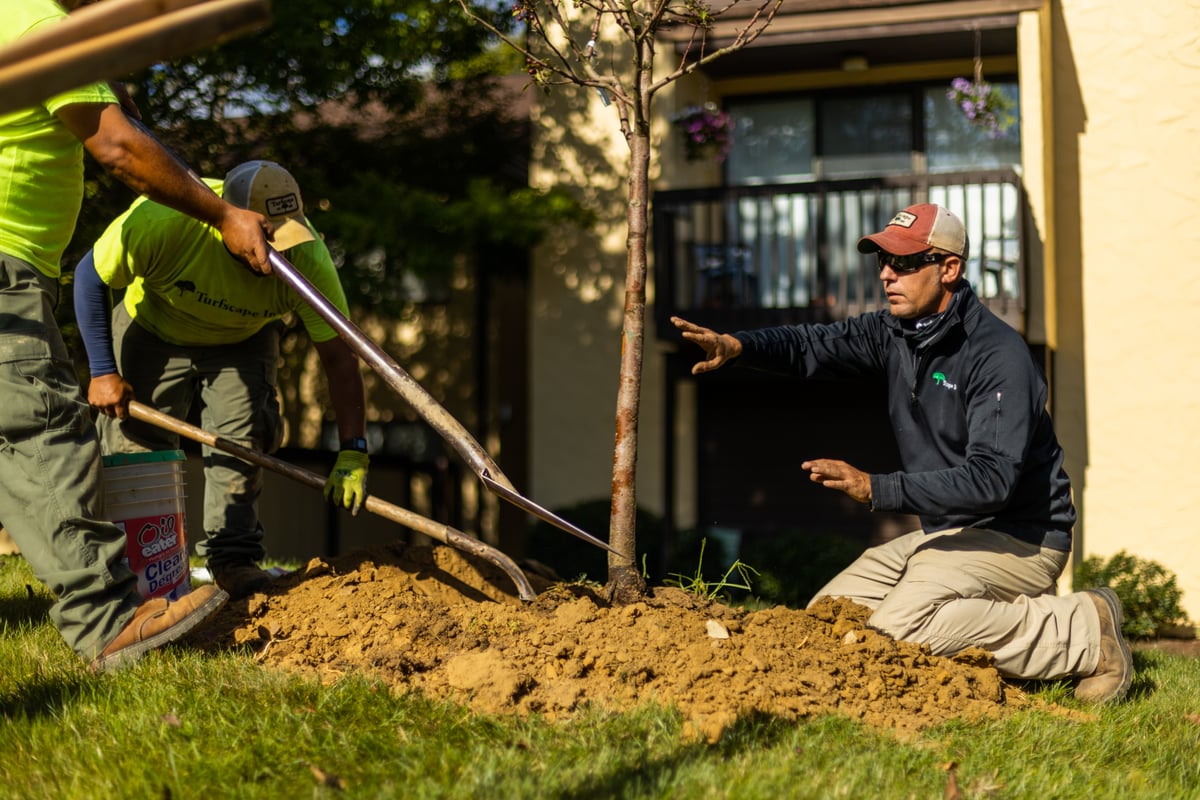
(157, 552)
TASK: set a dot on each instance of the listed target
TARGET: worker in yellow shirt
(194, 327)
(49, 454)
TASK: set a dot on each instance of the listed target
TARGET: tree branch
(754, 28)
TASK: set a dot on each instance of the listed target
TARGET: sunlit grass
(181, 725)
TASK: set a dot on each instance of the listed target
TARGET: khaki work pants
(967, 587)
(50, 478)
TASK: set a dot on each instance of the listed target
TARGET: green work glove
(347, 483)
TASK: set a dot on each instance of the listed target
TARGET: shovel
(434, 530)
(449, 428)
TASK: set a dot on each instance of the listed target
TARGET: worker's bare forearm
(138, 161)
(345, 387)
(136, 158)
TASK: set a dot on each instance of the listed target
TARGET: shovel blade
(542, 514)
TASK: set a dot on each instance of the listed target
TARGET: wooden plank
(88, 22)
(109, 47)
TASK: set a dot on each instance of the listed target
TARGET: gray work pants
(967, 587)
(235, 386)
(50, 479)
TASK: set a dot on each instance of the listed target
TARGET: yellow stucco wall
(1127, 204)
(578, 285)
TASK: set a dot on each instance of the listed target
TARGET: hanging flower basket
(707, 132)
(982, 105)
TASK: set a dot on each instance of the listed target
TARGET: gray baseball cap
(269, 189)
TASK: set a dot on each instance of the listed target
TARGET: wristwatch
(357, 443)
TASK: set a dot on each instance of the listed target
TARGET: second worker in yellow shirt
(195, 325)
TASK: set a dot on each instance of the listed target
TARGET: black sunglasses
(902, 265)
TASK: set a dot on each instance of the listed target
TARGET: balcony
(739, 257)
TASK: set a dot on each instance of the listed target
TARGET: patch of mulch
(446, 624)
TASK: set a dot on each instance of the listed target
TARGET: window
(866, 134)
(773, 141)
(796, 247)
(853, 134)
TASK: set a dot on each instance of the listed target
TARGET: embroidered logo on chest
(940, 379)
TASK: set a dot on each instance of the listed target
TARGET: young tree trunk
(625, 582)
(569, 60)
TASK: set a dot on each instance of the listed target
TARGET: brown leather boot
(1114, 672)
(240, 579)
(157, 622)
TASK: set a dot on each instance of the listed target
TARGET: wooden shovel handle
(115, 38)
(88, 22)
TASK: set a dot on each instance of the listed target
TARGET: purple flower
(707, 131)
(982, 105)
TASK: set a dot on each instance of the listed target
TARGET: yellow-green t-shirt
(41, 162)
(182, 285)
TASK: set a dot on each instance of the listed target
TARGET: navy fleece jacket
(968, 407)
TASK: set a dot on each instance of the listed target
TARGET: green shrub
(1147, 590)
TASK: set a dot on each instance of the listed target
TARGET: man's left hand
(347, 483)
(841, 476)
(110, 395)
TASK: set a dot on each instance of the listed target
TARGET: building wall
(1126, 181)
(578, 284)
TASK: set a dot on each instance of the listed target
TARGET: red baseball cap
(917, 229)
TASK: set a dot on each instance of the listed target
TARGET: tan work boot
(1114, 671)
(240, 579)
(157, 622)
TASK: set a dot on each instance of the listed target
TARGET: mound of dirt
(441, 622)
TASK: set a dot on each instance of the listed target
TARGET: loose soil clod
(438, 621)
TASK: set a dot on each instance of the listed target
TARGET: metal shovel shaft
(434, 530)
(392, 373)
(449, 428)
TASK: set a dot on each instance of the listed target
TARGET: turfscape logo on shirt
(205, 299)
(940, 379)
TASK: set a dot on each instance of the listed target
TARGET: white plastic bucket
(143, 495)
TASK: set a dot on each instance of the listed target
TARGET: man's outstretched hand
(839, 475)
(719, 348)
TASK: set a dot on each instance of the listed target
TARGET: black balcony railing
(741, 257)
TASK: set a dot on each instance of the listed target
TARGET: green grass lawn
(181, 725)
